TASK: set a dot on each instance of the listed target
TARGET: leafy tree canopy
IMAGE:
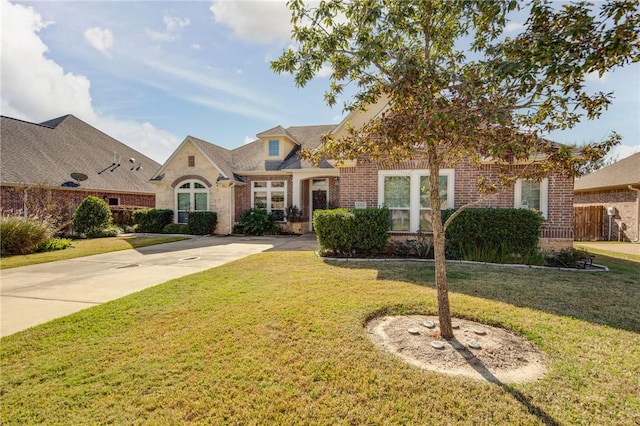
(459, 85)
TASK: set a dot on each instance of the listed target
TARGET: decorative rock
(474, 345)
(480, 331)
(414, 330)
(429, 324)
(437, 344)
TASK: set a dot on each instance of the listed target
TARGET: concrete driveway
(33, 295)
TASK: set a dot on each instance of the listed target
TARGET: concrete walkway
(33, 295)
(626, 248)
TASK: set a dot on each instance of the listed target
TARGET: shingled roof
(250, 157)
(47, 154)
(618, 175)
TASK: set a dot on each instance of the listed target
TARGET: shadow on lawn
(533, 409)
(610, 298)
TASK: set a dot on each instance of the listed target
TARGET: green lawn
(277, 338)
(81, 248)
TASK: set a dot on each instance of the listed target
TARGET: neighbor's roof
(47, 154)
(620, 174)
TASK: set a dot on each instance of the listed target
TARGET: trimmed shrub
(152, 220)
(347, 232)
(54, 244)
(109, 231)
(22, 236)
(494, 235)
(202, 223)
(176, 228)
(257, 221)
(91, 216)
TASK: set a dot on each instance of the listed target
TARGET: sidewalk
(626, 248)
(35, 294)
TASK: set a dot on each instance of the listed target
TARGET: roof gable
(218, 157)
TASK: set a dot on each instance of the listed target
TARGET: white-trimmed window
(270, 195)
(532, 195)
(274, 148)
(406, 194)
(191, 195)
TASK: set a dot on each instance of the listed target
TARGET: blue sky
(150, 73)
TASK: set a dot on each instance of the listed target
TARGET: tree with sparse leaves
(459, 88)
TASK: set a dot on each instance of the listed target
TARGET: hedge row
(161, 220)
(152, 220)
(349, 232)
(493, 232)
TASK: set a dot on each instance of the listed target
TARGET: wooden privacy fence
(588, 223)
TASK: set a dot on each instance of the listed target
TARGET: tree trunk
(444, 312)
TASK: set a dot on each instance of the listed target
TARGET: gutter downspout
(637, 240)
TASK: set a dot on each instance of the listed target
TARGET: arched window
(191, 195)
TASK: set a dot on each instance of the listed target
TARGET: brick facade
(360, 184)
(624, 225)
(61, 204)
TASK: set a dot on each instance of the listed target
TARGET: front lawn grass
(81, 248)
(277, 338)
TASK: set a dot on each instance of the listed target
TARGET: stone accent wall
(179, 170)
(624, 225)
(360, 184)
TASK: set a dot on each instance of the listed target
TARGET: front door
(319, 196)
(319, 199)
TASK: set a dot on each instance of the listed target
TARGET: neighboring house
(269, 172)
(607, 202)
(66, 160)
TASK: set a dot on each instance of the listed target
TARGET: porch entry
(319, 196)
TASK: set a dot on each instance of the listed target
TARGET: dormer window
(274, 148)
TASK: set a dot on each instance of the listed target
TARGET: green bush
(176, 228)
(152, 220)
(202, 223)
(109, 231)
(494, 235)
(91, 216)
(54, 244)
(257, 221)
(348, 232)
(20, 235)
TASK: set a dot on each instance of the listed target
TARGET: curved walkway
(35, 294)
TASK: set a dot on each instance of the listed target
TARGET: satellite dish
(79, 176)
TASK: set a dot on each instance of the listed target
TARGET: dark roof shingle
(47, 154)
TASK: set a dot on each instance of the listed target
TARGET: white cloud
(196, 46)
(325, 71)
(514, 27)
(172, 27)
(263, 21)
(619, 152)
(35, 88)
(155, 143)
(100, 38)
(174, 23)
